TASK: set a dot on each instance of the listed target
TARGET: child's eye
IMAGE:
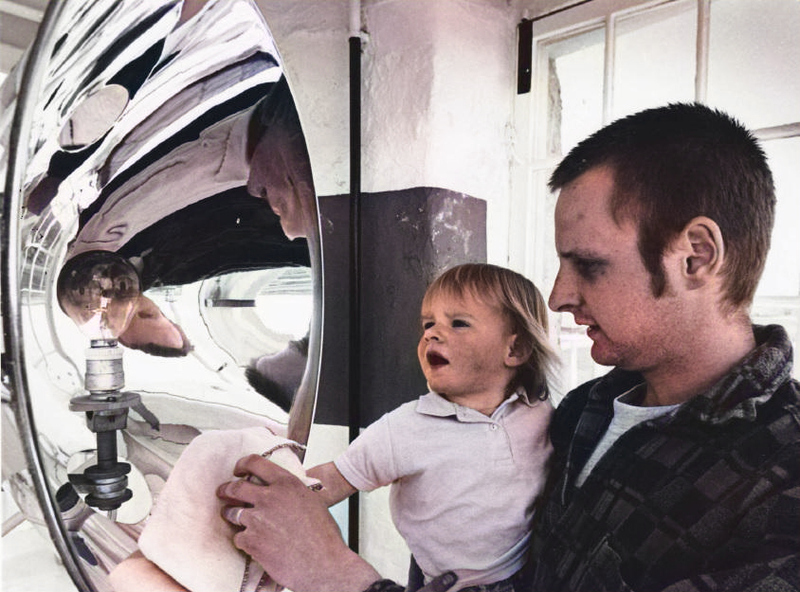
(460, 323)
(427, 325)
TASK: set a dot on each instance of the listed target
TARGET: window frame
(530, 236)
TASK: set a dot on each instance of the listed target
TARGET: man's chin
(168, 348)
(603, 357)
(292, 231)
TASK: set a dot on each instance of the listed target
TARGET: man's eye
(589, 269)
(460, 323)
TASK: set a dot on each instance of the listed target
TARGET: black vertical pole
(354, 398)
(524, 56)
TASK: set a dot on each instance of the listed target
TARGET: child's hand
(441, 583)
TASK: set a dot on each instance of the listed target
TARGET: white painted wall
(438, 89)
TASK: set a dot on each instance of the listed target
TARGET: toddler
(466, 461)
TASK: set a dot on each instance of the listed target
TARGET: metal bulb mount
(99, 291)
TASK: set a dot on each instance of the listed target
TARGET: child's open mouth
(435, 360)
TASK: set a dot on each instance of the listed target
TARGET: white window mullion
(608, 68)
(778, 132)
(703, 36)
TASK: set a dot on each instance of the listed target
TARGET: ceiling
(19, 20)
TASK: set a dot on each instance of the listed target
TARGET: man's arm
(335, 487)
(287, 528)
(780, 575)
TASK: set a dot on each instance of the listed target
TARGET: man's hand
(287, 528)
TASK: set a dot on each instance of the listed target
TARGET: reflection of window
(604, 60)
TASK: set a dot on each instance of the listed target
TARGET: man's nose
(563, 296)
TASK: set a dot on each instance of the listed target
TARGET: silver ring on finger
(234, 515)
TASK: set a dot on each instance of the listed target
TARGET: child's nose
(432, 334)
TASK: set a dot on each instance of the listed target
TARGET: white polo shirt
(463, 483)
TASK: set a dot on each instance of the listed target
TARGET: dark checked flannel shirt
(705, 498)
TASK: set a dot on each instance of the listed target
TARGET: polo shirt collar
(435, 404)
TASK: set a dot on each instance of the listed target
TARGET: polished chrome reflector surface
(161, 259)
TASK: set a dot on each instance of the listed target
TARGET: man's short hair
(674, 163)
(275, 108)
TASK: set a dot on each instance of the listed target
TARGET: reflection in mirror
(99, 291)
(164, 203)
(93, 117)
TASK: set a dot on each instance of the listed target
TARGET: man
(680, 469)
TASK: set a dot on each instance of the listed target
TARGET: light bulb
(99, 291)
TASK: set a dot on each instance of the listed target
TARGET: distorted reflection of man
(153, 333)
(169, 217)
(280, 170)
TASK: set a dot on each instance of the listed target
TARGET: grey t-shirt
(626, 416)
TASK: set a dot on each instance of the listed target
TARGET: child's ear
(518, 352)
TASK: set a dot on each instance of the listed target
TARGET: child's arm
(335, 487)
(138, 573)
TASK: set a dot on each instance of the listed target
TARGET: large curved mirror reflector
(161, 259)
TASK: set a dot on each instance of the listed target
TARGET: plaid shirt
(706, 497)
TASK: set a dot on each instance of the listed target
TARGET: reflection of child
(467, 460)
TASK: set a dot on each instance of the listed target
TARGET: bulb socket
(104, 371)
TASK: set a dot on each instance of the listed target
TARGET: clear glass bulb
(99, 291)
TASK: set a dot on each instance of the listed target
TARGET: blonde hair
(523, 305)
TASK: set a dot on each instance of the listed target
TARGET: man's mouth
(436, 360)
(592, 328)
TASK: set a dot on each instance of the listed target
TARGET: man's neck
(710, 355)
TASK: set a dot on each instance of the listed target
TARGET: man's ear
(518, 352)
(703, 250)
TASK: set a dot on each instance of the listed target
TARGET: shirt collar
(234, 164)
(435, 404)
(751, 382)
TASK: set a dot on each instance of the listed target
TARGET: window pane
(782, 273)
(655, 58)
(778, 297)
(575, 89)
(754, 54)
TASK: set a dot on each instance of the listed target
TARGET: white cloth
(463, 484)
(626, 415)
(185, 535)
